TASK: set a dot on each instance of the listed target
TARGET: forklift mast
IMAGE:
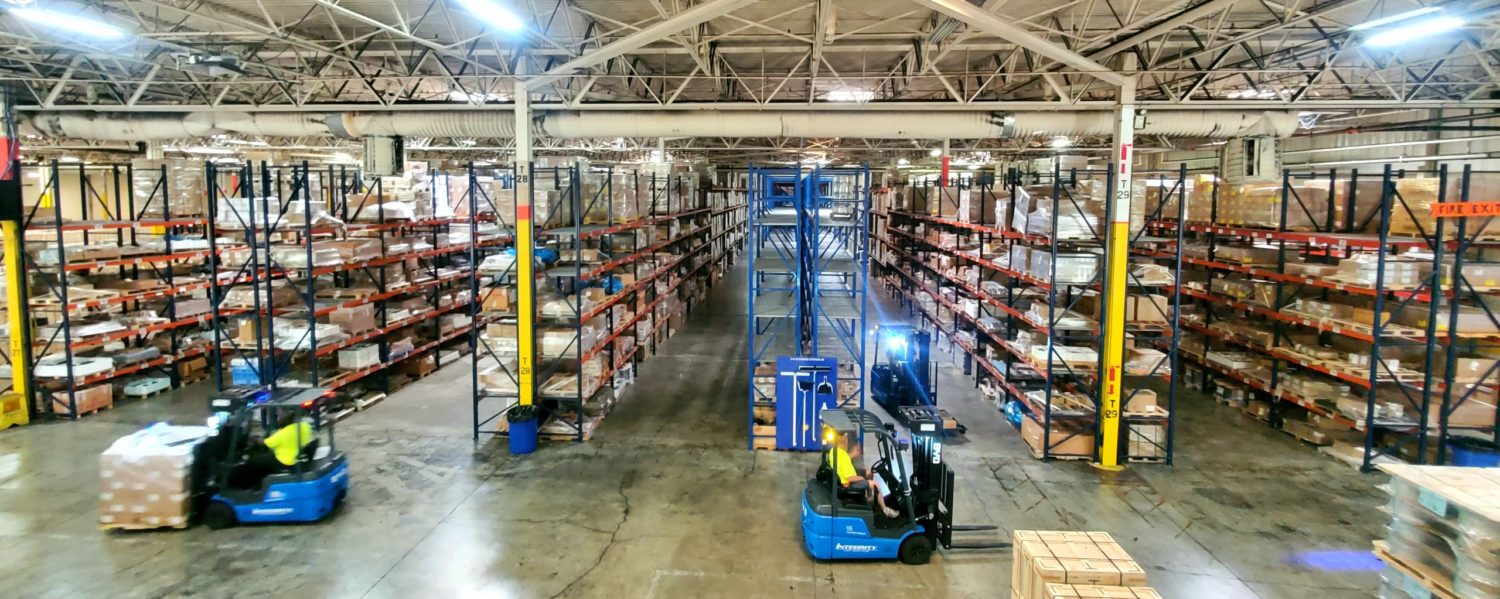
(920, 349)
(932, 480)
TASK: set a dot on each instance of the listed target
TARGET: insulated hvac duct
(1170, 123)
(745, 123)
(873, 124)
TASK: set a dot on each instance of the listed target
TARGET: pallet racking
(111, 251)
(1341, 283)
(338, 281)
(981, 266)
(809, 278)
(624, 255)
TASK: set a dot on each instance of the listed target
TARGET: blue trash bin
(523, 429)
(1477, 453)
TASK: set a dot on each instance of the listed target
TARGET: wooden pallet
(140, 527)
(1070, 458)
(151, 394)
(1389, 286)
(1344, 368)
(363, 403)
(1387, 330)
(188, 380)
(1248, 412)
(108, 406)
(1428, 578)
(565, 437)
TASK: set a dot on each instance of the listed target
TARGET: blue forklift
(902, 379)
(838, 524)
(306, 491)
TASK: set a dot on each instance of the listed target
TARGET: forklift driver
(841, 461)
(277, 453)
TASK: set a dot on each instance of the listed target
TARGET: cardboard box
(499, 300)
(1306, 431)
(1148, 308)
(1064, 440)
(86, 400)
(1470, 370)
(1483, 275)
(1072, 591)
(421, 366)
(1470, 319)
(1477, 409)
(1046, 559)
(1141, 400)
(355, 320)
(191, 366)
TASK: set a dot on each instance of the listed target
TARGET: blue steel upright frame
(809, 257)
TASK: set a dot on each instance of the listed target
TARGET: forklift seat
(846, 495)
(309, 452)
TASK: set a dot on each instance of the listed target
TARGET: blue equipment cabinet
(804, 388)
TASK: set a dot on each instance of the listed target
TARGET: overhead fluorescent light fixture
(903, 162)
(1061, 142)
(935, 152)
(1397, 36)
(459, 95)
(68, 22)
(850, 95)
(1397, 18)
(494, 14)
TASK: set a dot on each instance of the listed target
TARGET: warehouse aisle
(666, 502)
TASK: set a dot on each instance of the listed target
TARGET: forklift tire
(220, 516)
(915, 550)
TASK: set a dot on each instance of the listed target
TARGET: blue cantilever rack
(809, 277)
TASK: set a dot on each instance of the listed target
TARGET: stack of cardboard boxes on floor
(1067, 564)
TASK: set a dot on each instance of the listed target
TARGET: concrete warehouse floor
(666, 502)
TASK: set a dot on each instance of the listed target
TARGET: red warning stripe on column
(523, 212)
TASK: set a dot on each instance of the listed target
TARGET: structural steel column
(1116, 260)
(15, 280)
(525, 279)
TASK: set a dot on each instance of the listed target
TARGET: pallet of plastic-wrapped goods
(179, 181)
(146, 478)
(1444, 532)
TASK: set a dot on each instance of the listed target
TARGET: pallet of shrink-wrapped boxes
(146, 478)
(1066, 564)
(1443, 539)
